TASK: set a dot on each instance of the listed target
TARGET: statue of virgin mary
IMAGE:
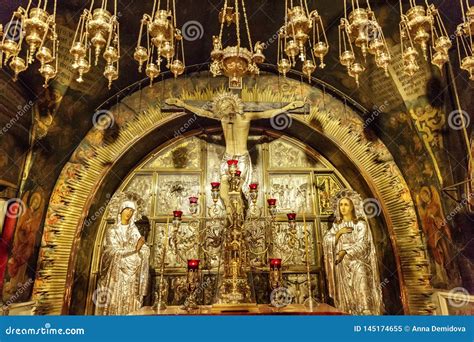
(123, 277)
(350, 258)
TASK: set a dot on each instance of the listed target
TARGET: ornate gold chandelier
(235, 61)
(36, 27)
(302, 35)
(166, 42)
(98, 29)
(360, 28)
(418, 26)
(464, 41)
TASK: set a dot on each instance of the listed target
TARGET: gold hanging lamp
(235, 61)
(302, 37)
(420, 25)
(464, 39)
(164, 41)
(360, 29)
(98, 30)
(35, 27)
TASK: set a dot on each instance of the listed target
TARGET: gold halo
(37, 196)
(226, 96)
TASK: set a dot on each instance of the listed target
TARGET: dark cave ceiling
(265, 17)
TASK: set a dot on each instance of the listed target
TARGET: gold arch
(75, 189)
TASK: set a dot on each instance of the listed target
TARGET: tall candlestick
(272, 207)
(310, 296)
(193, 205)
(215, 191)
(177, 216)
(275, 276)
(164, 244)
(253, 193)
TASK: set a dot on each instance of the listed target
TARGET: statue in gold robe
(123, 278)
(350, 259)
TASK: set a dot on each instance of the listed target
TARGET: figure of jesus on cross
(228, 109)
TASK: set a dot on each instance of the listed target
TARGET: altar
(261, 309)
(232, 228)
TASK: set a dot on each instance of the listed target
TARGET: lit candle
(232, 165)
(193, 264)
(193, 205)
(215, 191)
(292, 220)
(177, 218)
(253, 192)
(271, 201)
(275, 263)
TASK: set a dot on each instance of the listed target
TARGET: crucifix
(235, 120)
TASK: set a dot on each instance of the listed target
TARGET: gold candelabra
(418, 26)
(360, 28)
(35, 27)
(98, 29)
(233, 233)
(464, 40)
(301, 37)
(235, 61)
(164, 41)
(234, 287)
(244, 236)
